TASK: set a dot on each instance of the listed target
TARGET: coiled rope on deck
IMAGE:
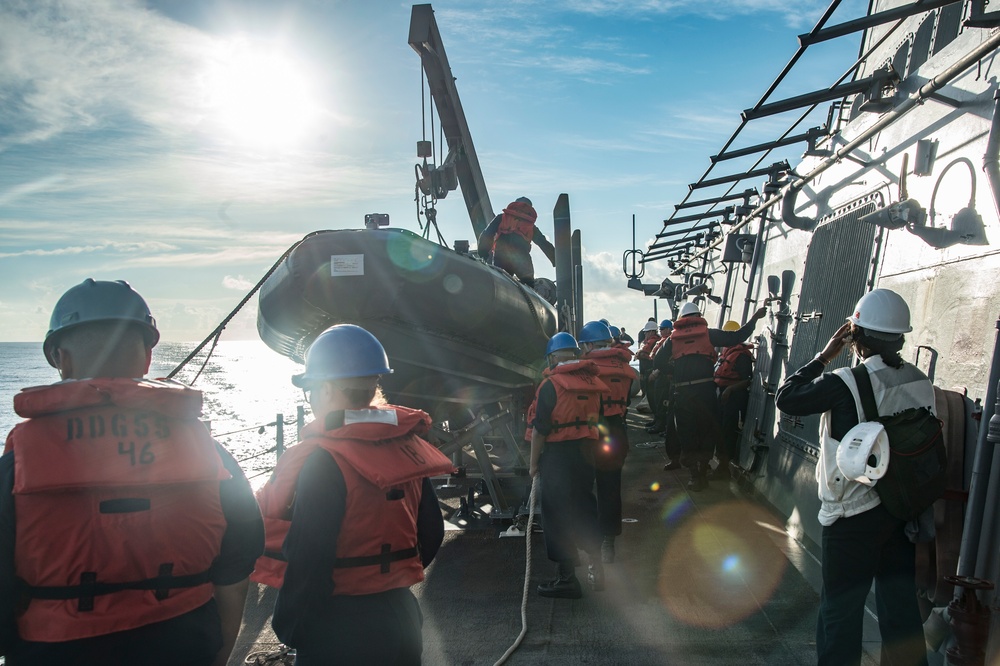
(217, 333)
(527, 575)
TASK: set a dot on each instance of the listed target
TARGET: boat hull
(458, 332)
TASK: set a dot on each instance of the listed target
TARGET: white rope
(527, 575)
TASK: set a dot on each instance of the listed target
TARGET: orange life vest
(518, 218)
(725, 370)
(384, 461)
(690, 336)
(624, 346)
(614, 370)
(117, 509)
(658, 346)
(579, 392)
(651, 339)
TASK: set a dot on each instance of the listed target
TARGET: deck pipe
(980, 487)
(983, 485)
(564, 262)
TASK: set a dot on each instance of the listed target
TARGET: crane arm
(426, 41)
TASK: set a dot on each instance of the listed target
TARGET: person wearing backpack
(862, 541)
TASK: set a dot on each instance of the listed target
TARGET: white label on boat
(347, 264)
(370, 416)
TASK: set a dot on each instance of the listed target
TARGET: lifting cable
(217, 333)
(527, 574)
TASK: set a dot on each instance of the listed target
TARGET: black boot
(565, 585)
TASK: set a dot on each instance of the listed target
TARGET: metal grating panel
(837, 270)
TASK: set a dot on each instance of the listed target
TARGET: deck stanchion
(279, 435)
(300, 420)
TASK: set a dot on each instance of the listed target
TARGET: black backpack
(918, 464)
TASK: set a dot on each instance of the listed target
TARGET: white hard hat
(863, 454)
(882, 310)
(650, 326)
(689, 309)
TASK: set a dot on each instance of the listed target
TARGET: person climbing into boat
(351, 516)
(597, 343)
(507, 240)
(564, 434)
(861, 540)
(127, 534)
(695, 403)
(732, 379)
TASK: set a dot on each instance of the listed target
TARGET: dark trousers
(569, 509)
(608, 462)
(696, 413)
(191, 639)
(732, 411)
(856, 550)
(383, 628)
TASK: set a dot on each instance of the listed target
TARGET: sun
(259, 96)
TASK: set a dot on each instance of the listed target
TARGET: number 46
(145, 453)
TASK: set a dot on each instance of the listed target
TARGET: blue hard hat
(98, 301)
(561, 341)
(595, 331)
(666, 323)
(615, 332)
(343, 351)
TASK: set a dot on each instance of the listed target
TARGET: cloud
(127, 248)
(238, 283)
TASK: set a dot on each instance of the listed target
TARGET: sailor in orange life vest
(564, 434)
(733, 372)
(597, 343)
(350, 513)
(126, 532)
(695, 404)
(508, 238)
(861, 540)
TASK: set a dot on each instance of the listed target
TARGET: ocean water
(245, 385)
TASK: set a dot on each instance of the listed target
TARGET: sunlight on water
(711, 573)
(245, 385)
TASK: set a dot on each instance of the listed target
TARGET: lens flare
(413, 260)
(678, 504)
(655, 486)
(718, 567)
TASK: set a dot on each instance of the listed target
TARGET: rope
(527, 575)
(214, 335)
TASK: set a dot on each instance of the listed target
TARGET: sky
(183, 145)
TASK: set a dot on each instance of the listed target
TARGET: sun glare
(259, 96)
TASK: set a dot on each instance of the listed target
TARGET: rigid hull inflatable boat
(459, 333)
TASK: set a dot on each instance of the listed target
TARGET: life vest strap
(89, 587)
(695, 381)
(383, 559)
(571, 424)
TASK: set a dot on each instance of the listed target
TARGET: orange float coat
(614, 370)
(690, 336)
(725, 371)
(651, 340)
(518, 218)
(117, 509)
(579, 392)
(384, 461)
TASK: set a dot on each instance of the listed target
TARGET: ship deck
(699, 578)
